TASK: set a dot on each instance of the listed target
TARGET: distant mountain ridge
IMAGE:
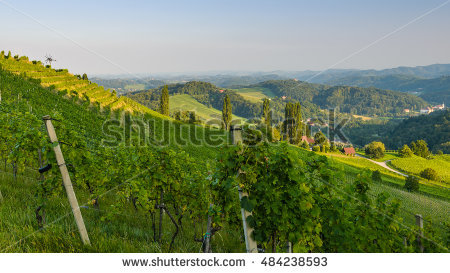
(425, 72)
(436, 90)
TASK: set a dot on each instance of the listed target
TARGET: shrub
(405, 151)
(429, 174)
(304, 145)
(320, 138)
(420, 148)
(375, 149)
(333, 148)
(316, 148)
(412, 183)
(376, 176)
(276, 135)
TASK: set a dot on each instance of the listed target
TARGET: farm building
(349, 151)
(308, 139)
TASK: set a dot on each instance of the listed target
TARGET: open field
(185, 102)
(255, 94)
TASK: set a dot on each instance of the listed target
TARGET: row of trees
(376, 149)
(419, 148)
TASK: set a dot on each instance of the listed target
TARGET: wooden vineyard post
(250, 244)
(288, 247)
(419, 222)
(66, 180)
(207, 247)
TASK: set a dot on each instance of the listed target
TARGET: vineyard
(72, 86)
(355, 164)
(175, 194)
(416, 164)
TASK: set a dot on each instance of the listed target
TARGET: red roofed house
(308, 139)
(349, 151)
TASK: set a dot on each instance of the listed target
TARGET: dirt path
(383, 164)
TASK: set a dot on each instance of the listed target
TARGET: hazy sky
(101, 37)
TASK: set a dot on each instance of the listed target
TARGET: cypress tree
(293, 122)
(164, 103)
(226, 113)
(267, 118)
(266, 112)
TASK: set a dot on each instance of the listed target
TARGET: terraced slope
(63, 81)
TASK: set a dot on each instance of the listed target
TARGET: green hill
(353, 100)
(68, 84)
(255, 94)
(205, 93)
(436, 90)
(175, 172)
(433, 128)
(185, 102)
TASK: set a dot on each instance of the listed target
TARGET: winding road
(383, 164)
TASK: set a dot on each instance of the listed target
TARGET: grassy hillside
(186, 102)
(417, 164)
(125, 220)
(28, 95)
(129, 230)
(255, 94)
(66, 83)
(392, 179)
(203, 92)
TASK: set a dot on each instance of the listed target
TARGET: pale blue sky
(249, 35)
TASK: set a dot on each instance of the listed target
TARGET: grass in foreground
(131, 231)
(126, 231)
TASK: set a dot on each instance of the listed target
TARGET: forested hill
(205, 93)
(354, 100)
(435, 90)
(433, 128)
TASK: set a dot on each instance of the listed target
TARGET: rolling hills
(435, 90)
(125, 218)
(353, 100)
(185, 102)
